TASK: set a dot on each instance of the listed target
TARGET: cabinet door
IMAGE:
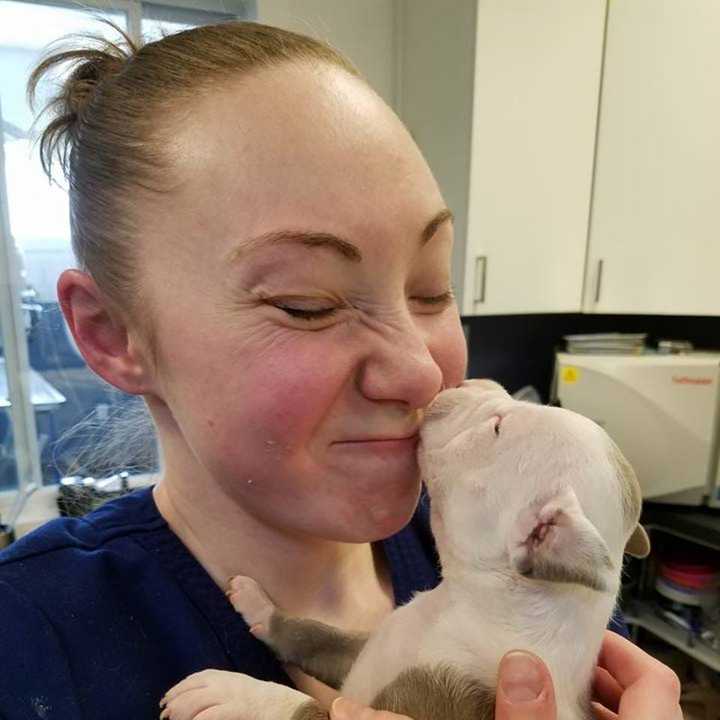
(655, 222)
(537, 80)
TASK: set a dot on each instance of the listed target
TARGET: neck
(345, 584)
(308, 577)
(561, 623)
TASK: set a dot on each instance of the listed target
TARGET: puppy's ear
(554, 541)
(638, 542)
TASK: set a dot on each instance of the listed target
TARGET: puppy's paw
(252, 602)
(223, 694)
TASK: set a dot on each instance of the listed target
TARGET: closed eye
(322, 313)
(443, 299)
(308, 314)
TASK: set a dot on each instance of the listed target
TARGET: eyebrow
(346, 249)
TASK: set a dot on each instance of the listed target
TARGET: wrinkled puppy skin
(532, 508)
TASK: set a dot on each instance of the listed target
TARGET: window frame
(17, 367)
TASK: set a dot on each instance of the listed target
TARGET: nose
(401, 367)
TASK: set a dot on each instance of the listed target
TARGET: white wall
(437, 62)
(363, 30)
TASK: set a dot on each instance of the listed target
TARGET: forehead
(301, 147)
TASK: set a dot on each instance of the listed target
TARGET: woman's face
(298, 277)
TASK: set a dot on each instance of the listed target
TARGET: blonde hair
(110, 129)
(111, 119)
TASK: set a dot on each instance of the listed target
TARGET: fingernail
(521, 678)
(343, 709)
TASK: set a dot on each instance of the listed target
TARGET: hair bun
(88, 69)
(93, 67)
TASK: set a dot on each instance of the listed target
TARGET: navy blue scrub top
(101, 615)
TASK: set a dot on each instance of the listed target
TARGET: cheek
(279, 400)
(244, 395)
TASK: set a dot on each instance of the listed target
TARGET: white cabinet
(564, 203)
(509, 132)
(655, 224)
(537, 77)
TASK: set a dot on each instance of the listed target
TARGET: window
(65, 395)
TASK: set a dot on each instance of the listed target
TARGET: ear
(638, 544)
(108, 347)
(554, 541)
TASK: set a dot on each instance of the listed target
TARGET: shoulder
(36, 672)
(69, 548)
(134, 512)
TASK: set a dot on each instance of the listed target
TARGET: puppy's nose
(436, 410)
(440, 406)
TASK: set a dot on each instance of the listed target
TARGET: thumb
(524, 690)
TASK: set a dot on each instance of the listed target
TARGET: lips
(386, 439)
(382, 447)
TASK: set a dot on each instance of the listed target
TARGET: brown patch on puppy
(317, 649)
(638, 544)
(434, 693)
(547, 569)
(310, 710)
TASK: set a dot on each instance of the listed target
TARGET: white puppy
(532, 508)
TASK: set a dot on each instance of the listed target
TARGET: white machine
(663, 411)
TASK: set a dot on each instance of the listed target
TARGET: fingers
(345, 709)
(650, 689)
(627, 663)
(606, 690)
(602, 713)
(525, 690)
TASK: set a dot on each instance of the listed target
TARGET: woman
(265, 259)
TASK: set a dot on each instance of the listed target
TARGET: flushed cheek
(281, 403)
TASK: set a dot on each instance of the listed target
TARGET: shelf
(644, 617)
(698, 525)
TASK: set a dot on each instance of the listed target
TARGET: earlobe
(638, 544)
(101, 338)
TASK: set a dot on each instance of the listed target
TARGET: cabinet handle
(598, 283)
(480, 273)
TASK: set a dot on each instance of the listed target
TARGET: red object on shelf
(691, 576)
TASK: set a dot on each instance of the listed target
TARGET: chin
(382, 521)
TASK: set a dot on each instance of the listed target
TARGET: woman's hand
(629, 685)
(524, 689)
(632, 685)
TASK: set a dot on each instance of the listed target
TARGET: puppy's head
(526, 489)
